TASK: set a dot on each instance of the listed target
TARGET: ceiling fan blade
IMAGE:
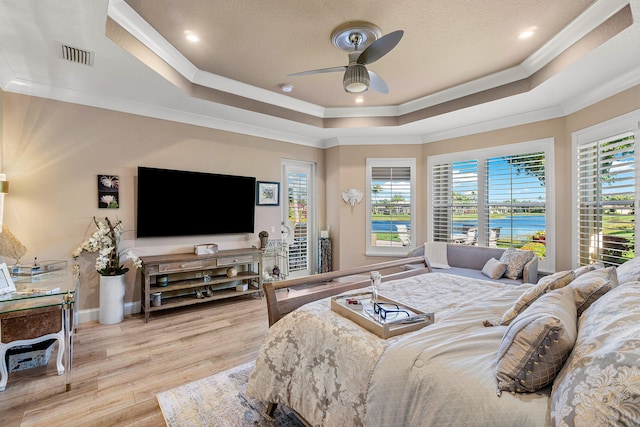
(320, 71)
(376, 83)
(380, 47)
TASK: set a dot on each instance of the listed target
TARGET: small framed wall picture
(268, 194)
(108, 191)
(6, 283)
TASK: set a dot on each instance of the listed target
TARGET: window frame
(545, 145)
(629, 122)
(390, 162)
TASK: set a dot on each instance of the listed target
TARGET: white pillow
(494, 269)
(436, 253)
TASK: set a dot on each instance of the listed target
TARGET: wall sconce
(352, 196)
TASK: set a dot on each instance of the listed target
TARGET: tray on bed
(394, 324)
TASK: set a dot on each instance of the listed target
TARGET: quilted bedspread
(333, 372)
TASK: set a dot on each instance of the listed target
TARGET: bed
(331, 372)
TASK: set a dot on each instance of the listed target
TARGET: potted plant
(105, 240)
(264, 238)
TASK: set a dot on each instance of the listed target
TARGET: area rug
(220, 400)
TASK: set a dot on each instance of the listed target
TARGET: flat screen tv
(183, 203)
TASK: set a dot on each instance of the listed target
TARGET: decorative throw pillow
(515, 260)
(587, 268)
(629, 271)
(436, 253)
(547, 283)
(494, 269)
(600, 382)
(592, 285)
(537, 343)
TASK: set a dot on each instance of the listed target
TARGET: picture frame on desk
(268, 193)
(6, 283)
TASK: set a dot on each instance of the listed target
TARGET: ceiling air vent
(79, 56)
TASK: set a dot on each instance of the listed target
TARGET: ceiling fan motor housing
(356, 79)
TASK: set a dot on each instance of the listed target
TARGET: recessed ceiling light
(286, 87)
(527, 33)
(359, 100)
(191, 36)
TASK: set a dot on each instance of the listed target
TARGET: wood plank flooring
(118, 369)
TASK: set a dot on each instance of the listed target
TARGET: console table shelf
(186, 274)
(184, 300)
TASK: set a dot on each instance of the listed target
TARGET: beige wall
(53, 151)
(348, 164)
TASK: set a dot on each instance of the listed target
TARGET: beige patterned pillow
(515, 260)
(592, 285)
(494, 269)
(537, 343)
(547, 283)
(587, 268)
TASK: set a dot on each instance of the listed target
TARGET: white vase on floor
(111, 299)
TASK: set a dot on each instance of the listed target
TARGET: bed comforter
(333, 372)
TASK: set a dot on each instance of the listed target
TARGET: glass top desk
(40, 309)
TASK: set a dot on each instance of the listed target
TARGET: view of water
(384, 226)
(522, 225)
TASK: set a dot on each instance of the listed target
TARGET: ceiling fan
(353, 37)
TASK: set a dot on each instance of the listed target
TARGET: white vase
(111, 299)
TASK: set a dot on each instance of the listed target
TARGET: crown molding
(583, 100)
(594, 16)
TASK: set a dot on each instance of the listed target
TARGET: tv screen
(183, 203)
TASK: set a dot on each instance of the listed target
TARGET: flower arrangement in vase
(106, 242)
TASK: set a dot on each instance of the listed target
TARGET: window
(606, 187)
(516, 201)
(495, 197)
(390, 204)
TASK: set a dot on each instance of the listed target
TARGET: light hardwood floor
(118, 369)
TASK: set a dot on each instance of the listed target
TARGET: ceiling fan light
(356, 79)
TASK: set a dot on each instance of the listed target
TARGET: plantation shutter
(454, 194)
(515, 212)
(391, 199)
(298, 199)
(441, 202)
(606, 200)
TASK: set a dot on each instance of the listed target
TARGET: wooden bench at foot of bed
(325, 285)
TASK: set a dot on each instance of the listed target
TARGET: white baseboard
(93, 314)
